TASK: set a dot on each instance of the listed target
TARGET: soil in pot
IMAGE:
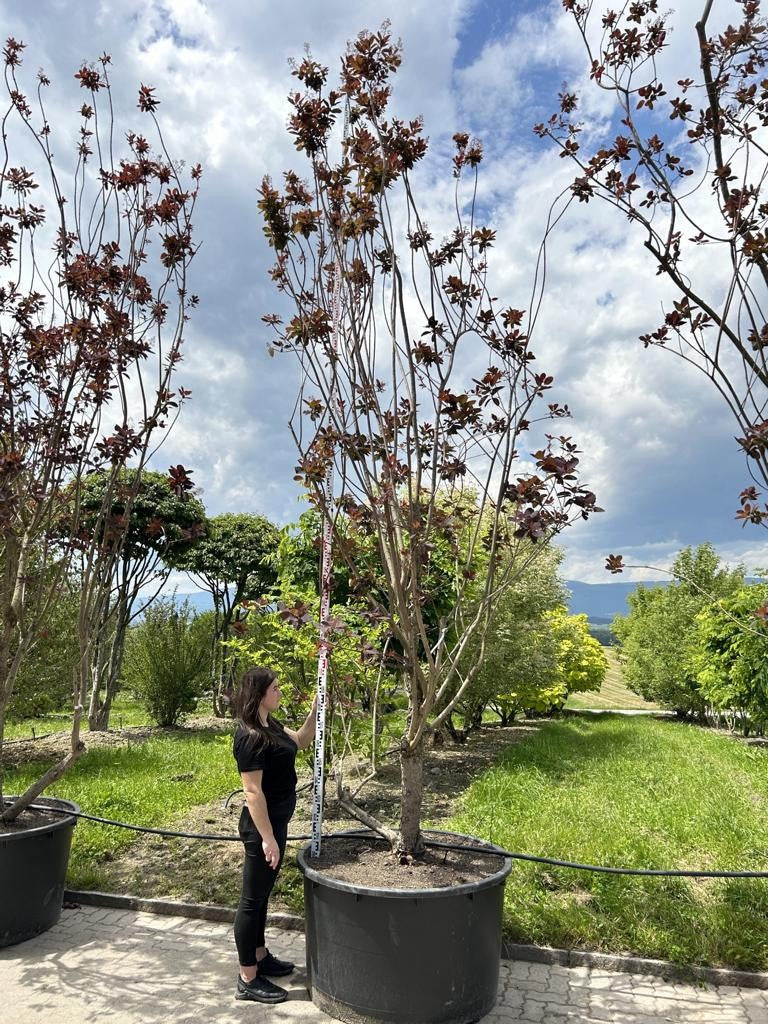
(30, 818)
(391, 943)
(368, 861)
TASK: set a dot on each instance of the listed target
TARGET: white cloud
(656, 442)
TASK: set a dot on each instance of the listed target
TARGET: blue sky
(658, 445)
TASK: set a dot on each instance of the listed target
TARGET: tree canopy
(657, 638)
(418, 385)
(683, 160)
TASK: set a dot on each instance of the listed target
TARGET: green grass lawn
(125, 711)
(153, 783)
(640, 793)
(614, 693)
(616, 791)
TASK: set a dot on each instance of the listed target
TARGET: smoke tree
(95, 245)
(685, 161)
(433, 393)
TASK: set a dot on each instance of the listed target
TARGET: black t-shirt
(277, 762)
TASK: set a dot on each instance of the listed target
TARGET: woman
(265, 751)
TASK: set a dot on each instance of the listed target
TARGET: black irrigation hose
(138, 828)
(664, 872)
(461, 848)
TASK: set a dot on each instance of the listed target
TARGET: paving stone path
(127, 967)
(540, 994)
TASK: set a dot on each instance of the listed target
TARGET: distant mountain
(602, 601)
(599, 601)
(200, 600)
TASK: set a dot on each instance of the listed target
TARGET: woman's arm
(302, 737)
(257, 807)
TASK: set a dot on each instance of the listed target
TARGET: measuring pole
(318, 778)
(325, 603)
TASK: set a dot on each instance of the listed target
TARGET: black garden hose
(435, 843)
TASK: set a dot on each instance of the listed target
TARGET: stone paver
(542, 994)
(127, 967)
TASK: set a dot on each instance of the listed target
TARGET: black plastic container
(33, 871)
(414, 956)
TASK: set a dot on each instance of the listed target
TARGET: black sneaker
(270, 967)
(260, 990)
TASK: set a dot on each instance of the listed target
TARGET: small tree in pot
(91, 327)
(427, 407)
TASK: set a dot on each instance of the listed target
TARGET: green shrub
(581, 663)
(519, 669)
(167, 660)
(657, 640)
(730, 658)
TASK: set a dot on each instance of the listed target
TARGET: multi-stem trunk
(107, 675)
(225, 668)
(219, 662)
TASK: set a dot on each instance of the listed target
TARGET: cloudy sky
(658, 446)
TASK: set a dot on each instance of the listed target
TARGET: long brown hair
(253, 685)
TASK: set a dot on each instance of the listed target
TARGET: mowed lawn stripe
(614, 693)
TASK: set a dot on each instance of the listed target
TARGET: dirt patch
(363, 861)
(55, 746)
(209, 872)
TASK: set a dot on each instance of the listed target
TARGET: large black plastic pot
(33, 870)
(414, 956)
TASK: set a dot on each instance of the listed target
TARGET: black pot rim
(65, 821)
(436, 892)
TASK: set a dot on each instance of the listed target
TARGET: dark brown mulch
(26, 820)
(363, 861)
(55, 745)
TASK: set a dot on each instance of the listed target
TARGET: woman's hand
(304, 735)
(271, 852)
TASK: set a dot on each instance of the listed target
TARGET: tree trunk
(29, 796)
(8, 631)
(222, 697)
(108, 644)
(217, 703)
(439, 736)
(94, 704)
(410, 842)
(457, 735)
(99, 721)
(221, 663)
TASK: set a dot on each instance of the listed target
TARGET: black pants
(258, 880)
